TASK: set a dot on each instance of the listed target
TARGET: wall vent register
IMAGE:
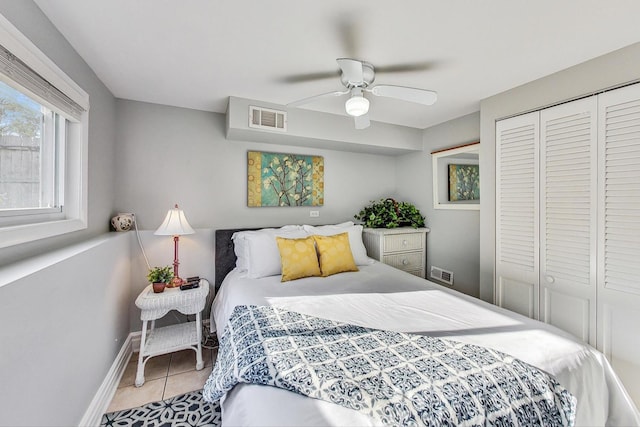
(442, 275)
(264, 118)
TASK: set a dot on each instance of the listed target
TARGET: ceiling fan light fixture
(357, 77)
(357, 106)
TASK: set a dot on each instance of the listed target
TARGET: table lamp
(175, 224)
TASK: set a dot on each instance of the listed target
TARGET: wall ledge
(24, 268)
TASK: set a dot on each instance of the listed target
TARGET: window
(31, 150)
(43, 144)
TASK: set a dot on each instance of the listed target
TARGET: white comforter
(379, 296)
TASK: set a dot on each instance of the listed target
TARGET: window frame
(73, 216)
(441, 159)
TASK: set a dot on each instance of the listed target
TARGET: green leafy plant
(160, 274)
(387, 213)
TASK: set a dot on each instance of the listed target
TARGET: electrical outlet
(314, 214)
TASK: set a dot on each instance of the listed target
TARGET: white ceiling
(197, 53)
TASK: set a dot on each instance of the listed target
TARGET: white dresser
(404, 248)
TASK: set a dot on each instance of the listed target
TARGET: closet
(568, 221)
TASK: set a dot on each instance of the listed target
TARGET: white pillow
(342, 224)
(240, 245)
(240, 249)
(257, 251)
(355, 238)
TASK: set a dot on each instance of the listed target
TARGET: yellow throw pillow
(335, 254)
(298, 257)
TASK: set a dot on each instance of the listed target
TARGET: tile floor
(165, 376)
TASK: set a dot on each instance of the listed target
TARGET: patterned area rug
(185, 410)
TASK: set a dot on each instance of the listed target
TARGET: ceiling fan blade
(313, 98)
(309, 77)
(411, 94)
(362, 122)
(351, 70)
(410, 66)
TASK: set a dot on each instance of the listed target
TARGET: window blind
(13, 71)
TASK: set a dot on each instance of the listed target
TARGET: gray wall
(64, 317)
(170, 155)
(454, 240)
(606, 71)
(28, 18)
(62, 327)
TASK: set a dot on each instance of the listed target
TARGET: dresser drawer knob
(405, 262)
(405, 243)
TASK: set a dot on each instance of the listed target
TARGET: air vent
(442, 275)
(264, 118)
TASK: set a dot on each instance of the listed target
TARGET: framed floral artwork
(276, 179)
(464, 182)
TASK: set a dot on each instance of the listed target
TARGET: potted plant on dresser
(395, 234)
(387, 213)
(160, 277)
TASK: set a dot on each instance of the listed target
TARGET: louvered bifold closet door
(568, 208)
(619, 233)
(517, 274)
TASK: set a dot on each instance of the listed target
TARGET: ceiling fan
(357, 77)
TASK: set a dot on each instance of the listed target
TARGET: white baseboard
(104, 395)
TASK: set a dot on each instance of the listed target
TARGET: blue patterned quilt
(396, 378)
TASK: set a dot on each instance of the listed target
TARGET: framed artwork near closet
(464, 182)
(456, 177)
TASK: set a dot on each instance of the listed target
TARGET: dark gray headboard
(225, 257)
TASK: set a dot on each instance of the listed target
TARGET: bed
(380, 297)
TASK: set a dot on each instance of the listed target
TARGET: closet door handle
(550, 279)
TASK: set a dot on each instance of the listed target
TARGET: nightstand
(404, 248)
(167, 339)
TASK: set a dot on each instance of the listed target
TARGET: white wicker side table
(167, 339)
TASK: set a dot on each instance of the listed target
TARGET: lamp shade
(357, 105)
(175, 224)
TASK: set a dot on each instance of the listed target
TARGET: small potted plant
(160, 277)
(387, 213)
